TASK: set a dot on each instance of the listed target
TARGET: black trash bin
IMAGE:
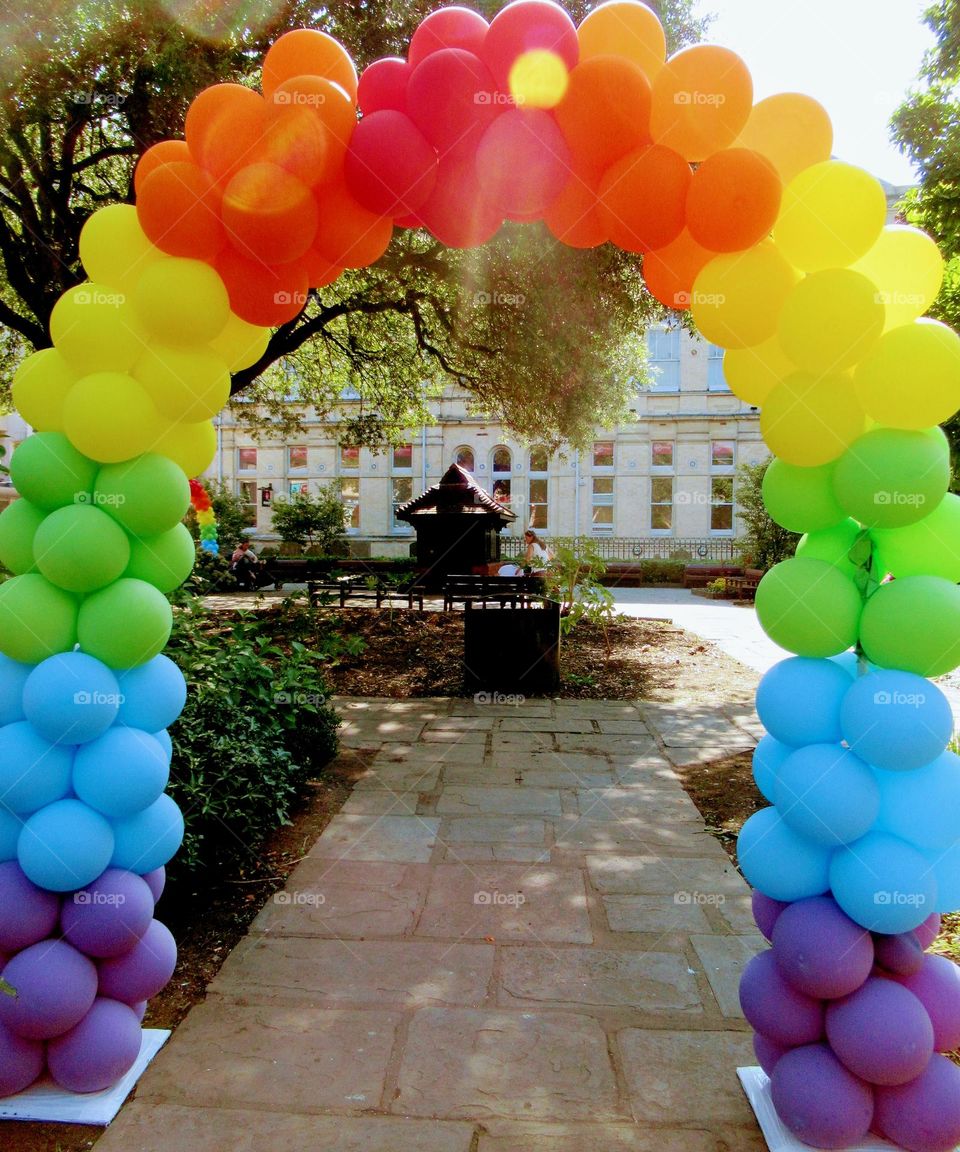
(513, 650)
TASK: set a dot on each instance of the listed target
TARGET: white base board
(45, 1100)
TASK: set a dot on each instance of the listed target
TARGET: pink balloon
(383, 85)
(820, 950)
(881, 1032)
(28, 914)
(924, 1115)
(458, 213)
(929, 930)
(452, 99)
(391, 167)
(766, 911)
(156, 881)
(110, 915)
(452, 27)
(937, 987)
(819, 1100)
(774, 1007)
(524, 26)
(21, 1061)
(97, 1051)
(144, 970)
(523, 162)
(900, 954)
(768, 1052)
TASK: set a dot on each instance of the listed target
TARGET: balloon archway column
(784, 260)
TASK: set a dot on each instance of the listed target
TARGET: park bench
(481, 591)
(356, 588)
(700, 575)
(745, 587)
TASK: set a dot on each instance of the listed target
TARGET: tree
(85, 89)
(764, 543)
(311, 521)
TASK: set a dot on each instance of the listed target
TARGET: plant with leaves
(764, 543)
(573, 578)
(314, 522)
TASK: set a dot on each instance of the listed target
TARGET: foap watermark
(299, 99)
(111, 99)
(903, 699)
(685, 898)
(499, 299)
(300, 899)
(298, 298)
(900, 499)
(700, 299)
(917, 899)
(514, 699)
(499, 899)
(699, 99)
(300, 699)
(99, 899)
(499, 98)
(901, 299)
(100, 499)
(100, 298)
(692, 498)
(99, 698)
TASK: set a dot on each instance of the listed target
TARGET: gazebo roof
(457, 494)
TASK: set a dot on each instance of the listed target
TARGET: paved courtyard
(517, 935)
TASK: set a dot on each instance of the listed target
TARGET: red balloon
(260, 294)
(459, 213)
(452, 99)
(452, 27)
(523, 162)
(179, 209)
(391, 167)
(524, 26)
(643, 198)
(383, 85)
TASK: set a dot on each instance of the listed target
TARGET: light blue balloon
(896, 720)
(65, 846)
(153, 694)
(121, 773)
(10, 826)
(33, 772)
(849, 661)
(884, 884)
(798, 700)
(780, 862)
(922, 806)
(825, 792)
(13, 676)
(163, 736)
(946, 874)
(71, 698)
(149, 839)
(768, 755)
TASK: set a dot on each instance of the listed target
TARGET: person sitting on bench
(244, 565)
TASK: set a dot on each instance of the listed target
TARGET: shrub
(210, 574)
(662, 571)
(313, 522)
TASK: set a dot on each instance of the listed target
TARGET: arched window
(502, 474)
(539, 517)
(464, 457)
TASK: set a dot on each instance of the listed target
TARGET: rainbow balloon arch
(783, 258)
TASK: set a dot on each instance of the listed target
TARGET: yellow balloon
(907, 268)
(108, 417)
(40, 386)
(831, 215)
(191, 446)
(184, 384)
(809, 420)
(239, 344)
(793, 131)
(831, 321)
(624, 28)
(912, 378)
(737, 298)
(753, 373)
(182, 301)
(95, 329)
(115, 249)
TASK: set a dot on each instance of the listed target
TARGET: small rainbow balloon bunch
(200, 499)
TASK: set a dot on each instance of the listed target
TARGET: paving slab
(399, 776)
(494, 830)
(423, 756)
(383, 802)
(508, 1136)
(631, 834)
(463, 800)
(662, 914)
(724, 959)
(404, 839)
(659, 874)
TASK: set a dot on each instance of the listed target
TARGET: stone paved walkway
(517, 936)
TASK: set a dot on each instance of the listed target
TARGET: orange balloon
(606, 111)
(793, 132)
(320, 272)
(734, 200)
(670, 272)
(333, 109)
(262, 294)
(643, 198)
(224, 127)
(296, 140)
(701, 100)
(308, 52)
(347, 233)
(627, 29)
(574, 217)
(166, 152)
(269, 215)
(179, 210)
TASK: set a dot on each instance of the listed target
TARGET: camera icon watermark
(903, 699)
(498, 98)
(299, 899)
(513, 699)
(300, 699)
(686, 898)
(98, 698)
(88, 899)
(900, 499)
(300, 99)
(100, 499)
(701, 99)
(499, 299)
(899, 899)
(497, 899)
(298, 298)
(86, 296)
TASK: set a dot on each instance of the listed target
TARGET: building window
(403, 458)
(602, 519)
(402, 482)
(350, 496)
(539, 517)
(299, 487)
(663, 346)
(722, 453)
(721, 511)
(349, 457)
(464, 457)
(661, 454)
(661, 504)
(502, 475)
(716, 381)
(602, 455)
(246, 459)
(297, 458)
(247, 491)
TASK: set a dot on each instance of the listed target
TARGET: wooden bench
(504, 591)
(700, 575)
(356, 588)
(745, 587)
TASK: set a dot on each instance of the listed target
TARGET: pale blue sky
(857, 57)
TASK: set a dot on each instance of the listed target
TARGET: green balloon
(50, 472)
(913, 624)
(81, 549)
(19, 522)
(801, 499)
(809, 607)
(164, 561)
(891, 477)
(147, 495)
(832, 545)
(931, 547)
(125, 624)
(37, 620)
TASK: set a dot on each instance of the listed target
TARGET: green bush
(210, 574)
(312, 522)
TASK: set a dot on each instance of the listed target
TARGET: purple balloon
(110, 915)
(929, 930)
(923, 1115)
(28, 914)
(819, 1100)
(157, 880)
(937, 987)
(55, 986)
(899, 954)
(144, 970)
(775, 1008)
(140, 1008)
(98, 1051)
(768, 1052)
(766, 911)
(881, 1032)
(820, 950)
(21, 1062)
